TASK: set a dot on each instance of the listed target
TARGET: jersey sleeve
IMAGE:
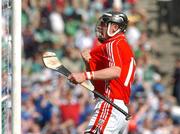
(121, 55)
(128, 64)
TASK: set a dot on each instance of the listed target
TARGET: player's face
(101, 30)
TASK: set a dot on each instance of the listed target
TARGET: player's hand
(77, 78)
(86, 55)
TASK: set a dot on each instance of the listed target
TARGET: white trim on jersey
(112, 54)
(109, 49)
(129, 72)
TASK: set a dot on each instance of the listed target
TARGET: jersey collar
(120, 36)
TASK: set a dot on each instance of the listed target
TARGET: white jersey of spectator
(146, 131)
(84, 39)
(133, 34)
(57, 23)
(117, 4)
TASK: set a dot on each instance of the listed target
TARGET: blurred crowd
(52, 105)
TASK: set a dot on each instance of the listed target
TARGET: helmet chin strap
(108, 31)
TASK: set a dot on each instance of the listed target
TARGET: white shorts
(108, 120)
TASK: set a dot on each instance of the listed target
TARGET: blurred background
(51, 105)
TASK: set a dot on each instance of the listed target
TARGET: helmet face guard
(103, 24)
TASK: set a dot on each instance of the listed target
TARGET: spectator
(165, 14)
(84, 39)
(176, 78)
(56, 20)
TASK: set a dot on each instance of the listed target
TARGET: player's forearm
(103, 74)
(107, 73)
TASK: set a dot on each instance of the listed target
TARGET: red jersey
(114, 52)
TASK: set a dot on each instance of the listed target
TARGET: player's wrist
(89, 75)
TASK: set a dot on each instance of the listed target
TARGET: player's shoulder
(97, 49)
(123, 45)
(121, 42)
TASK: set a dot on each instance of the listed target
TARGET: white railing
(16, 94)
